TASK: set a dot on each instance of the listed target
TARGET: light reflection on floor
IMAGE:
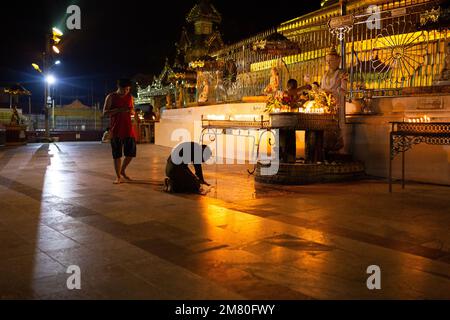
(242, 241)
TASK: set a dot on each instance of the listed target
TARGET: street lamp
(56, 39)
(50, 79)
(57, 32)
(36, 67)
(52, 45)
(52, 42)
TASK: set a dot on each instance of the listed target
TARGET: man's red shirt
(121, 126)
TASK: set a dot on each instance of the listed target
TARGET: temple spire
(204, 10)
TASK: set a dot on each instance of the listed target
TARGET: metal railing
(37, 123)
(384, 60)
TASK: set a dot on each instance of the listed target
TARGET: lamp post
(50, 81)
(51, 47)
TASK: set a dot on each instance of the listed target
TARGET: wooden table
(404, 135)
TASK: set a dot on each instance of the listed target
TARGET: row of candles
(312, 110)
(305, 110)
(236, 117)
(253, 117)
(424, 119)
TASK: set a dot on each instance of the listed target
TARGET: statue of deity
(335, 82)
(168, 101)
(335, 79)
(15, 117)
(204, 95)
(274, 83)
(180, 98)
(445, 74)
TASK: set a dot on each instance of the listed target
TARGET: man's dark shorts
(122, 147)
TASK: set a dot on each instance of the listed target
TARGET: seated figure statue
(168, 101)
(274, 83)
(204, 95)
(445, 74)
(15, 117)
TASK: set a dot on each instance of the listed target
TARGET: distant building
(14, 95)
(176, 85)
(202, 36)
(72, 117)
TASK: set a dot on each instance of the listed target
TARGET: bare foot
(124, 175)
(117, 181)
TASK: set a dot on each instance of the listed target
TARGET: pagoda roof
(204, 10)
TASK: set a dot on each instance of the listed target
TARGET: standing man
(119, 106)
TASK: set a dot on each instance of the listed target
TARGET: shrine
(14, 131)
(327, 85)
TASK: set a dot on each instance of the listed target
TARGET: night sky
(117, 39)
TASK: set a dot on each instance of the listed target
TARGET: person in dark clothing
(150, 115)
(180, 179)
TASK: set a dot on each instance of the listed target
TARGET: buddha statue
(15, 117)
(204, 95)
(274, 83)
(180, 98)
(445, 74)
(169, 101)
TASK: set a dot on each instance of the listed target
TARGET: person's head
(107, 129)
(292, 84)
(333, 59)
(124, 86)
(191, 152)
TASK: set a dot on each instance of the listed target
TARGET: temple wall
(176, 123)
(424, 163)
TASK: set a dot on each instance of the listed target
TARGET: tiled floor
(58, 207)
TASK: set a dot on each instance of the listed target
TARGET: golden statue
(204, 95)
(168, 101)
(15, 117)
(274, 83)
(445, 74)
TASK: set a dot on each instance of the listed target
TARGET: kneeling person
(180, 179)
